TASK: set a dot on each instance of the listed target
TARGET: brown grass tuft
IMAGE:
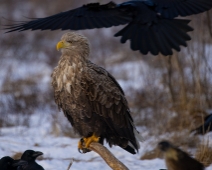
(153, 154)
(17, 155)
(204, 153)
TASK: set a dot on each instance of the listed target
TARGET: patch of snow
(59, 150)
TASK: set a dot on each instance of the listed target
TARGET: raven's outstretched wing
(151, 24)
(88, 16)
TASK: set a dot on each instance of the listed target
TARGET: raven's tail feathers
(159, 36)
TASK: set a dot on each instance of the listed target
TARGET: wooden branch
(108, 157)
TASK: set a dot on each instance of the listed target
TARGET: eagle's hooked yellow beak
(60, 45)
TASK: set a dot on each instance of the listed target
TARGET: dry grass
(17, 155)
(155, 153)
(204, 153)
(184, 140)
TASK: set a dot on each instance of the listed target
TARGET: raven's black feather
(7, 163)
(156, 17)
(30, 156)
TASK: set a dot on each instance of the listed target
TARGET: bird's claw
(81, 146)
(80, 150)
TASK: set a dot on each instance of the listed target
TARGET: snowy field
(59, 150)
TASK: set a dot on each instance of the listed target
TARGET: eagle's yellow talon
(84, 143)
(91, 139)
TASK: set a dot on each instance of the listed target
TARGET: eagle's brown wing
(107, 100)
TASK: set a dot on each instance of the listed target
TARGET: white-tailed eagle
(91, 98)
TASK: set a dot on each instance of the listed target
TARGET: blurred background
(168, 95)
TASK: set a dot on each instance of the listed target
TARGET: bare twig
(69, 166)
(209, 22)
(182, 80)
(108, 157)
(169, 83)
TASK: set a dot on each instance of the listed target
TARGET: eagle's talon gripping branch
(84, 143)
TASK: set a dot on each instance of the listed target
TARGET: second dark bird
(176, 159)
(30, 156)
(152, 24)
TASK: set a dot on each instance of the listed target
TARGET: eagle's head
(72, 42)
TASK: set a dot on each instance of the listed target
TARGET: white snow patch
(59, 150)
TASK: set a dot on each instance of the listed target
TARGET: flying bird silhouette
(8, 163)
(30, 156)
(91, 98)
(151, 24)
(176, 159)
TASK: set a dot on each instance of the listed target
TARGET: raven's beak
(36, 154)
(19, 163)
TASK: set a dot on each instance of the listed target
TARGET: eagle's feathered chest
(67, 76)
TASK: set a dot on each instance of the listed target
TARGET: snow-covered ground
(59, 150)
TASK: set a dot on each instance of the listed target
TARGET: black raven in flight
(151, 24)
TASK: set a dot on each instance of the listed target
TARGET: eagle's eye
(69, 41)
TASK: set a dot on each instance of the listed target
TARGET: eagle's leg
(84, 143)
